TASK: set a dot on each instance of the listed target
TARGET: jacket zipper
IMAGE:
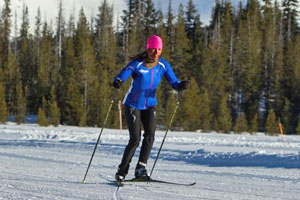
(137, 95)
(149, 87)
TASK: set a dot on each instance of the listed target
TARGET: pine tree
(190, 19)
(1, 75)
(87, 62)
(127, 23)
(42, 121)
(278, 59)
(223, 120)
(290, 44)
(3, 105)
(37, 35)
(214, 74)
(70, 30)
(105, 98)
(198, 45)
(223, 36)
(298, 129)
(55, 112)
(195, 36)
(180, 56)
(241, 65)
(205, 112)
(133, 30)
(47, 72)
(150, 19)
(11, 78)
(6, 30)
(286, 116)
(24, 58)
(138, 29)
(105, 43)
(290, 17)
(94, 102)
(36, 42)
(268, 70)
(106, 49)
(20, 103)
(69, 63)
(82, 111)
(1, 49)
(241, 124)
(60, 33)
(295, 96)
(206, 76)
(253, 127)
(15, 37)
(190, 105)
(54, 109)
(74, 110)
(169, 41)
(246, 65)
(42, 118)
(271, 127)
(226, 50)
(162, 32)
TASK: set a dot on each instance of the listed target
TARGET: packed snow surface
(50, 162)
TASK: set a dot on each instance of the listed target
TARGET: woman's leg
(133, 118)
(148, 118)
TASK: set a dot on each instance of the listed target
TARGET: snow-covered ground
(49, 163)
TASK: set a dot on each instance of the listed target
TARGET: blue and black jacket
(141, 94)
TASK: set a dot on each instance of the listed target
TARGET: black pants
(136, 118)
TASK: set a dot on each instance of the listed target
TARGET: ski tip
(119, 184)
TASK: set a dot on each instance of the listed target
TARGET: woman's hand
(183, 85)
(117, 83)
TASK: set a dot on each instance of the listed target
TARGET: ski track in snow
(50, 162)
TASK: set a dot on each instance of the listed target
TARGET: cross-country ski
(159, 181)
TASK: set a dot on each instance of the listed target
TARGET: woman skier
(146, 69)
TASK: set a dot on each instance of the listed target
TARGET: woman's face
(154, 53)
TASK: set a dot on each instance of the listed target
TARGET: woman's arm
(170, 76)
(125, 72)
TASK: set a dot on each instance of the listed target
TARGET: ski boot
(141, 173)
(120, 177)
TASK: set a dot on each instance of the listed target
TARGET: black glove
(117, 83)
(183, 85)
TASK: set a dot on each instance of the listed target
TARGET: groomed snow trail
(49, 163)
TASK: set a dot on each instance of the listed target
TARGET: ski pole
(104, 123)
(169, 126)
(120, 116)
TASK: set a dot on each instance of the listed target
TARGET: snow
(50, 162)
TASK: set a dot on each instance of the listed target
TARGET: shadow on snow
(199, 157)
(229, 159)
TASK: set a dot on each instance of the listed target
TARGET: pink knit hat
(154, 42)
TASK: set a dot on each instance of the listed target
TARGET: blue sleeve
(169, 74)
(126, 72)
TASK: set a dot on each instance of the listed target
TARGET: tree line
(243, 67)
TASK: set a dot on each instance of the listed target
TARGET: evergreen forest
(243, 67)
